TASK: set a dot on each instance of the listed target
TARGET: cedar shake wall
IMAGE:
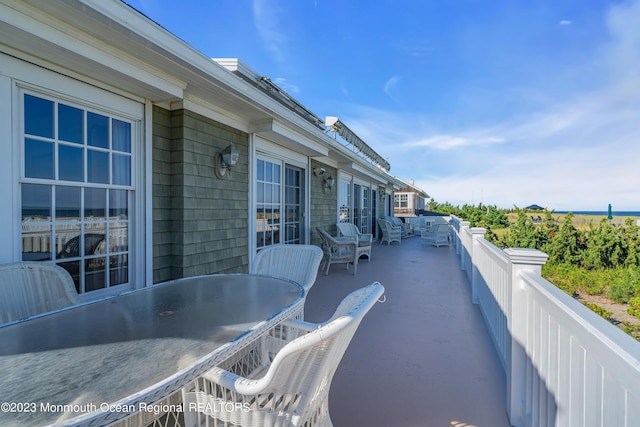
(199, 221)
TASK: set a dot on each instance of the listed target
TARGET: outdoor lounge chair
(283, 381)
(293, 262)
(364, 240)
(338, 250)
(30, 288)
(390, 233)
(404, 228)
(437, 235)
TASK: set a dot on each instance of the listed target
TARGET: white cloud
(286, 86)
(268, 25)
(390, 86)
(565, 22)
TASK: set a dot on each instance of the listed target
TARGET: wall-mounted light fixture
(318, 171)
(225, 160)
(382, 196)
(328, 183)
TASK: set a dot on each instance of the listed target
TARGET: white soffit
(277, 132)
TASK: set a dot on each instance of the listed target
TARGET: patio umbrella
(609, 215)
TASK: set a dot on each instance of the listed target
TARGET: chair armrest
(235, 383)
(367, 237)
(300, 324)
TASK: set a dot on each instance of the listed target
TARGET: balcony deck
(424, 357)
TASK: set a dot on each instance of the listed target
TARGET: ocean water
(602, 213)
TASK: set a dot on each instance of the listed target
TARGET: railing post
(464, 225)
(477, 233)
(529, 260)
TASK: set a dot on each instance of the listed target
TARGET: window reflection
(85, 229)
(70, 124)
(38, 116)
(70, 163)
(38, 161)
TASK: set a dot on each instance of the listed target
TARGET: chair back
(305, 366)
(299, 263)
(348, 229)
(31, 287)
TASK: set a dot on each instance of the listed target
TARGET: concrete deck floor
(422, 358)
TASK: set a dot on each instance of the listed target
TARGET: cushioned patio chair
(299, 263)
(405, 228)
(347, 229)
(390, 233)
(284, 381)
(30, 288)
(338, 250)
(437, 235)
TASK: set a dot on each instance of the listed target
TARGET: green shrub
(625, 284)
(634, 306)
(598, 310)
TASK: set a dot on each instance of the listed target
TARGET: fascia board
(32, 22)
(277, 132)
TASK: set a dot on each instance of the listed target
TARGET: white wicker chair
(293, 262)
(338, 251)
(288, 380)
(30, 288)
(437, 235)
(404, 228)
(347, 229)
(390, 233)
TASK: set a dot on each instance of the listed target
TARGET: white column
(477, 233)
(521, 260)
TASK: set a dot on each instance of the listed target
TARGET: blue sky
(502, 102)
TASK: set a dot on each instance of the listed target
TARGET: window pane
(268, 172)
(67, 203)
(38, 159)
(121, 169)
(73, 268)
(260, 191)
(98, 166)
(119, 204)
(70, 126)
(70, 163)
(260, 172)
(68, 236)
(36, 241)
(95, 203)
(97, 130)
(118, 269)
(276, 173)
(36, 202)
(38, 116)
(94, 240)
(94, 274)
(118, 237)
(121, 136)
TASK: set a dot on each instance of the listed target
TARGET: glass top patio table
(107, 357)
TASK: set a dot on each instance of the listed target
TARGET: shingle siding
(323, 203)
(199, 221)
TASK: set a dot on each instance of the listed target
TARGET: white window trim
(18, 75)
(261, 148)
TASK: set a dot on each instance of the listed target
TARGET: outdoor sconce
(328, 183)
(225, 160)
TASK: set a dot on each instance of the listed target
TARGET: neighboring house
(112, 130)
(409, 200)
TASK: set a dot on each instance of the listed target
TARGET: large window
(76, 190)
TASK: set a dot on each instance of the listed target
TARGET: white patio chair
(405, 228)
(437, 235)
(30, 288)
(299, 263)
(390, 233)
(288, 380)
(348, 229)
(338, 251)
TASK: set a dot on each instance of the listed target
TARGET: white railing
(565, 365)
